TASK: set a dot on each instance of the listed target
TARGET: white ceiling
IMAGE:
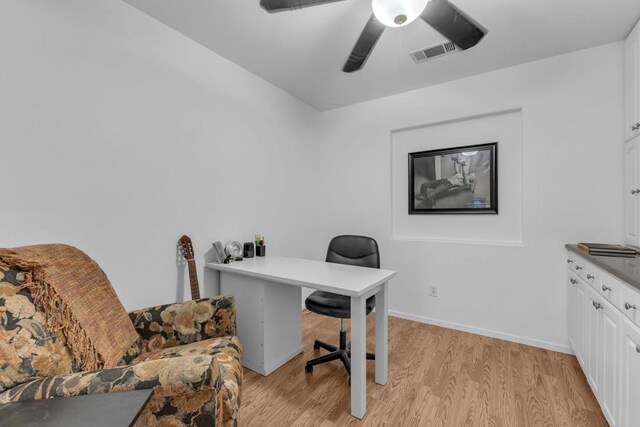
(303, 51)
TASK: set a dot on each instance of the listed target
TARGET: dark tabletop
(96, 410)
(625, 269)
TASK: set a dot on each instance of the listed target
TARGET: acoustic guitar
(187, 251)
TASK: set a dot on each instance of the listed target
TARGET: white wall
(118, 135)
(503, 127)
(572, 190)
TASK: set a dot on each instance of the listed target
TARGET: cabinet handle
(628, 306)
(590, 276)
(634, 127)
(597, 305)
(573, 281)
(578, 267)
(569, 261)
(638, 348)
(605, 288)
(633, 191)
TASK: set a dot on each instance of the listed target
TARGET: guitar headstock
(187, 247)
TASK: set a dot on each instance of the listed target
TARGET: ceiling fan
(442, 15)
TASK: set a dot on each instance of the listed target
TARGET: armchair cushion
(167, 376)
(170, 325)
(202, 327)
(28, 349)
(185, 387)
(227, 352)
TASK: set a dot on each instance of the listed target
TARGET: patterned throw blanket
(78, 301)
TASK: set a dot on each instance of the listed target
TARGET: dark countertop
(625, 269)
(95, 410)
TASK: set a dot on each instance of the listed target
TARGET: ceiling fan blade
(453, 23)
(273, 6)
(365, 44)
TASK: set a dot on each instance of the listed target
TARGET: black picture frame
(470, 188)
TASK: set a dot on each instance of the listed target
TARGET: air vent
(431, 52)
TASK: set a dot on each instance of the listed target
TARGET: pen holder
(260, 250)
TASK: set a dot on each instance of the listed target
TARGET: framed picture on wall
(460, 180)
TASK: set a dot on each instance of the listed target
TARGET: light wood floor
(437, 377)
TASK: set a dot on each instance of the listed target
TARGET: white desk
(268, 296)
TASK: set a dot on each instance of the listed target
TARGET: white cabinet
(611, 289)
(593, 340)
(632, 192)
(601, 354)
(577, 304)
(610, 320)
(632, 83)
(573, 317)
(269, 327)
(596, 337)
(629, 375)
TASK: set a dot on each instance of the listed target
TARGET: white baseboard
(485, 332)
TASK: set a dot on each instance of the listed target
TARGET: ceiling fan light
(397, 13)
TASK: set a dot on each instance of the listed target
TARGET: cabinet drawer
(574, 280)
(630, 305)
(579, 266)
(593, 276)
(611, 289)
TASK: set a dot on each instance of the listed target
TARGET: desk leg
(382, 336)
(358, 357)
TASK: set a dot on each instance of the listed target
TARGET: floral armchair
(187, 352)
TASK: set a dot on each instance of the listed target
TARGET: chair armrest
(168, 377)
(169, 325)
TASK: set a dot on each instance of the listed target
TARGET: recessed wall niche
(502, 229)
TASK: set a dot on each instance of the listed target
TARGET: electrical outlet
(433, 292)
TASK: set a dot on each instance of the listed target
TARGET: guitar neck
(193, 279)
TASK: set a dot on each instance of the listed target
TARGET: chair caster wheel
(316, 346)
(308, 369)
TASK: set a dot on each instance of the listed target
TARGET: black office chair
(353, 250)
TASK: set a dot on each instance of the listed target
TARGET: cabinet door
(632, 83)
(593, 341)
(580, 324)
(611, 319)
(573, 314)
(631, 168)
(629, 375)
(571, 293)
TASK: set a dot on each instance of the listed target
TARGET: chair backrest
(354, 250)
